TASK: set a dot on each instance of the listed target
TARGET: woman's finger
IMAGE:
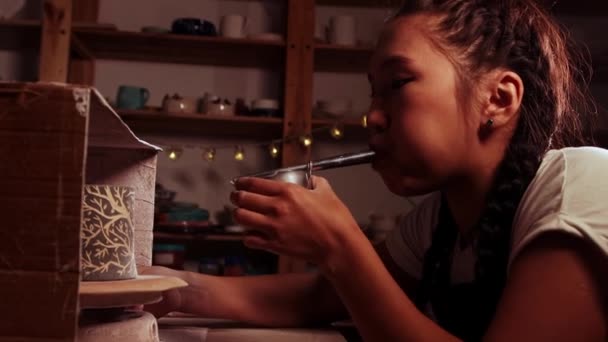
(319, 183)
(258, 242)
(252, 220)
(252, 201)
(260, 186)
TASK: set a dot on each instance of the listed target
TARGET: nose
(377, 121)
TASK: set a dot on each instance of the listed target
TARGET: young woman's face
(422, 137)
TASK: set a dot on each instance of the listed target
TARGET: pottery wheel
(145, 289)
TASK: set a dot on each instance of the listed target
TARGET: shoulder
(568, 195)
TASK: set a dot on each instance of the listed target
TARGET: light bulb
(337, 132)
(306, 140)
(364, 120)
(239, 154)
(174, 153)
(274, 150)
(209, 154)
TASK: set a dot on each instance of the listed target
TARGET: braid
(515, 173)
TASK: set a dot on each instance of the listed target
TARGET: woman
(473, 102)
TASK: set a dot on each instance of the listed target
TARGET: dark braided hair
(519, 35)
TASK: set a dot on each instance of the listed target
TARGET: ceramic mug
(130, 97)
(341, 30)
(233, 26)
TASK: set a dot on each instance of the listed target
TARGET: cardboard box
(54, 138)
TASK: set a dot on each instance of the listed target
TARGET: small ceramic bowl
(184, 105)
(265, 107)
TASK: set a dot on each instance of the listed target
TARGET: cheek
(429, 133)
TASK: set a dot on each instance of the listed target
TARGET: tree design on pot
(107, 233)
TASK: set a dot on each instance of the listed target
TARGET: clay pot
(106, 234)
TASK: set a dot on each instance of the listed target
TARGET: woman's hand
(172, 299)
(291, 220)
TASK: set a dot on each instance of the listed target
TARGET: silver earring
(489, 123)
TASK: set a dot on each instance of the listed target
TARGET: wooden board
(173, 48)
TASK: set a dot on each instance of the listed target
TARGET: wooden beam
(82, 70)
(55, 40)
(298, 93)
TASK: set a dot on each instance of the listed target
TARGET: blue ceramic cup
(130, 97)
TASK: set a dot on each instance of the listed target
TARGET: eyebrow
(390, 61)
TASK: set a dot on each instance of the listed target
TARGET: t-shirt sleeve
(408, 243)
(570, 195)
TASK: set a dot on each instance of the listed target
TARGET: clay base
(128, 326)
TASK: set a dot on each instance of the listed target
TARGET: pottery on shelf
(106, 234)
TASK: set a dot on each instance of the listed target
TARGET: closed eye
(400, 82)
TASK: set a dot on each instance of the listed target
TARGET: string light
(209, 154)
(364, 120)
(239, 153)
(174, 153)
(274, 150)
(306, 140)
(336, 131)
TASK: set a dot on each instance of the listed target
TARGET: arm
(553, 294)
(272, 300)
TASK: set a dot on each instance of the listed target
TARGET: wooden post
(82, 69)
(55, 40)
(299, 66)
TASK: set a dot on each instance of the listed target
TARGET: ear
(505, 91)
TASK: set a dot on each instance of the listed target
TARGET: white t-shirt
(568, 194)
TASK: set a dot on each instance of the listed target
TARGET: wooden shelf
(152, 121)
(193, 238)
(155, 121)
(339, 58)
(173, 48)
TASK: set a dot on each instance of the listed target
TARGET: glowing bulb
(182, 106)
(209, 154)
(274, 150)
(336, 132)
(239, 154)
(306, 140)
(174, 153)
(364, 120)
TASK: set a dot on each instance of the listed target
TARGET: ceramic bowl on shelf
(220, 108)
(265, 107)
(334, 108)
(180, 105)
